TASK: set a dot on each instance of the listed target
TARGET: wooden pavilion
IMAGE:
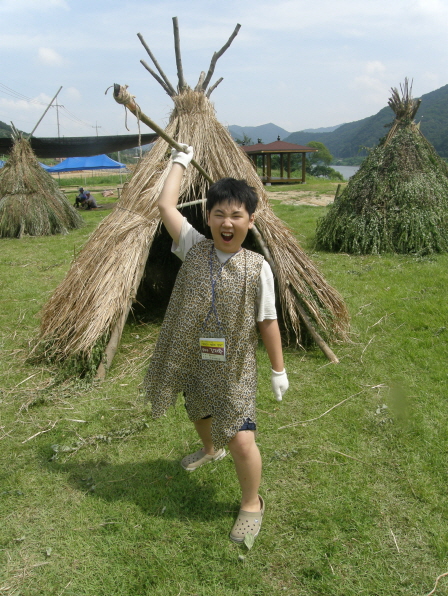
(283, 149)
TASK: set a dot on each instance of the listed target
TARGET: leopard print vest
(224, 390)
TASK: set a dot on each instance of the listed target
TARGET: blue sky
(295, 63)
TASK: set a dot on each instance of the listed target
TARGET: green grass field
(94, 502)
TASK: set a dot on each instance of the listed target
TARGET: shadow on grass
(159, 487)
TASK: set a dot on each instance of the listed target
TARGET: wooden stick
(180, 72)
(437, 581)
(41, 432)
(264, 249)
(15, 133)
(30, 377)
(395, 540)
(112, 345)
(41, 118)
(201, 80)
(321, 415)
(213, 87)
(218, 55)
(306, 320)
(157, 78)
(117, 331)
(189, 204)
(315, 335)
(157, 65)
(121, 95)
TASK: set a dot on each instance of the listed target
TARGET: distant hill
(322, 129)
(348, 139)
(268, 133)
(5, 130)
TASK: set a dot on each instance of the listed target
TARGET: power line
(8, 91)
(72, 116)
(62, 110)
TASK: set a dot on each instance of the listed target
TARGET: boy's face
(229, 224)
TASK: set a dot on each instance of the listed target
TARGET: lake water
(346, 171)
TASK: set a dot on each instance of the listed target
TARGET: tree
(245, 140)
(318, 162)
(321, 157)
(327, 172)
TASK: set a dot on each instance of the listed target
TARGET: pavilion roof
(277, 147)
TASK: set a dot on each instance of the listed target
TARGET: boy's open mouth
(226, 236)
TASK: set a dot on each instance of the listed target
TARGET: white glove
(279, 383)
(181, 157)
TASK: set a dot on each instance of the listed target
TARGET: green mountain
(322, 129)
(266, 132)
(349, 139)
(5, 130)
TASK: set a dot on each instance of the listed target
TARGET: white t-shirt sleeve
(187, 239)
(265, 306)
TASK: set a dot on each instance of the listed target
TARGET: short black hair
(231, 190)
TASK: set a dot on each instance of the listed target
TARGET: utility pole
(57, 116)
(97, 127)
(41, 118)
(121, 173)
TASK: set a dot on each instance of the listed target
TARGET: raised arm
(169, 196)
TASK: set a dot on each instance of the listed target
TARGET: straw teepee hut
(398, 199)
(83, 320)
(30, 201)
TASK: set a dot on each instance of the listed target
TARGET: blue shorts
(247, 424)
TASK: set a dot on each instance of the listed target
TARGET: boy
(80, 198)
(207, 344)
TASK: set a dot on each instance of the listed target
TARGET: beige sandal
(247, 522)
(196, 460)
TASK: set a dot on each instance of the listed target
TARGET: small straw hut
(83, 320)
(30, 201)
(398, 199)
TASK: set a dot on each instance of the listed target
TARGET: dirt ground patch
(106, 205)
(301, 197)
(102, 207)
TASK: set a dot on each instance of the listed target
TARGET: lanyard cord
(213, 282)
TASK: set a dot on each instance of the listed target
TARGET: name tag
(213, 348)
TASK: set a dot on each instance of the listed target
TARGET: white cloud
(23, 113)
(375, 68)
(49, 56)
(17, 41)
(339, 60)
(34, 105)
(372, 82)
(437, 8)
(72, 93)
(14, 6)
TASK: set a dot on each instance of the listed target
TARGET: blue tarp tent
(96, 162)
(2, 163)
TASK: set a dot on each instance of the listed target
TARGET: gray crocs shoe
(196, 460)
(247, 522)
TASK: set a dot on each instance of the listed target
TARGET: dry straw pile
(30, 201)
(88, 310)
(398, 199)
